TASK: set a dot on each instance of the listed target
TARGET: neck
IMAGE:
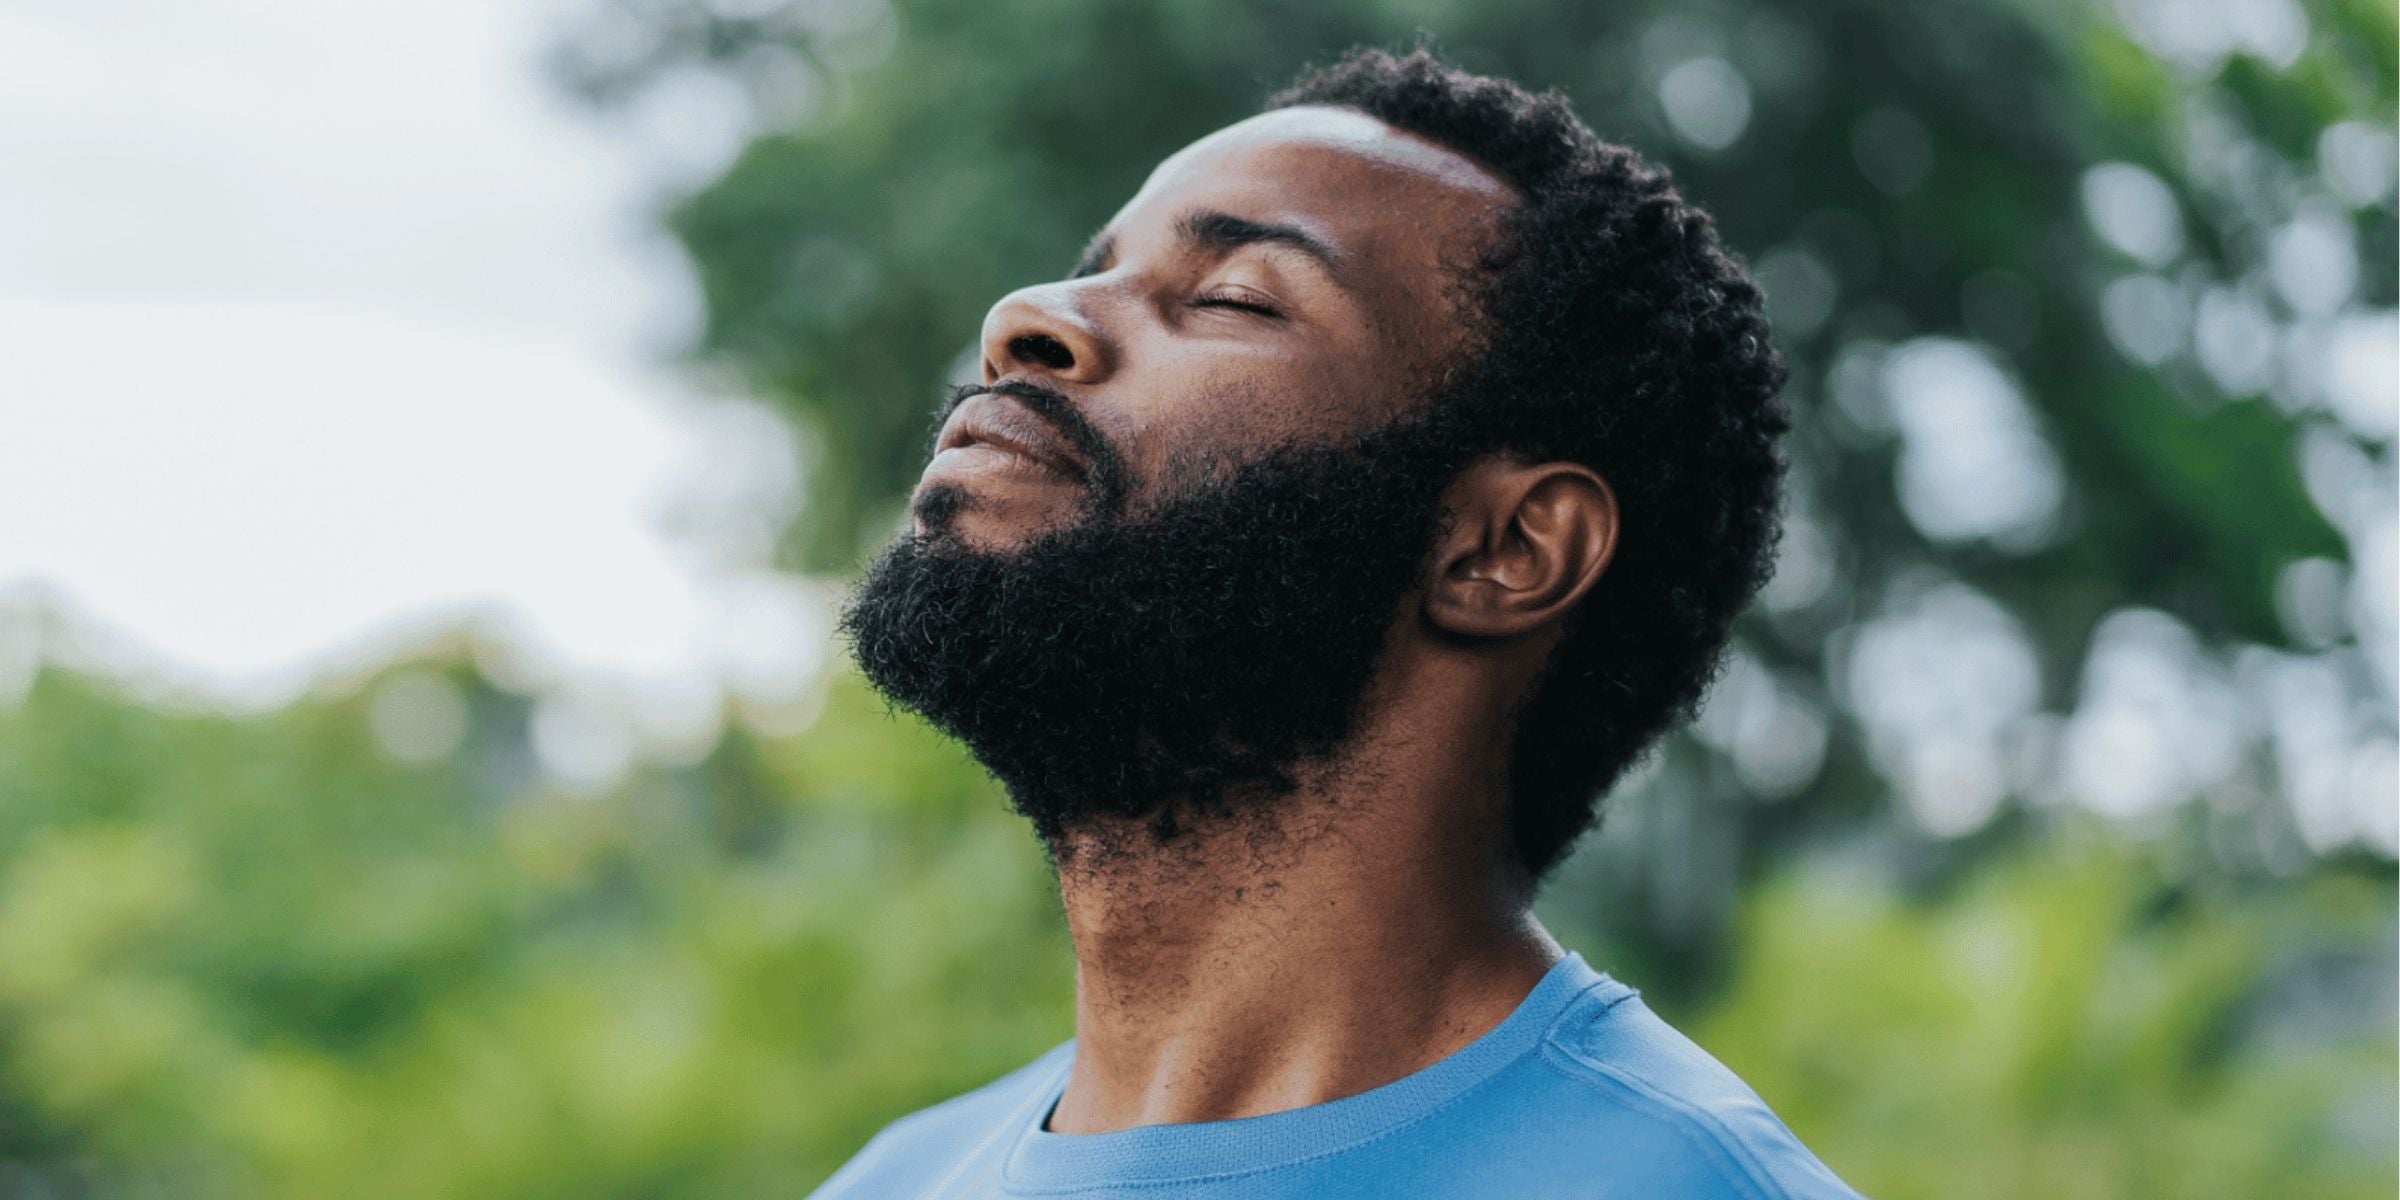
(1355, 938)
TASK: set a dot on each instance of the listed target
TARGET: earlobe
(1527, 543)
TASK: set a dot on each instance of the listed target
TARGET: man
(1380, 484)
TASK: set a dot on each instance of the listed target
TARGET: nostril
(1043, 349)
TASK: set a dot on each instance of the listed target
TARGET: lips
(995, 420)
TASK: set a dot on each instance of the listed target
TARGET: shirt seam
(1694, 1124)
(1535, 1046)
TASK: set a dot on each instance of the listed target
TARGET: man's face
(1153, 569)
(1284, 281)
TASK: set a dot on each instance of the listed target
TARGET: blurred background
(434, 438)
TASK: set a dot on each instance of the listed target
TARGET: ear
(1525, 544)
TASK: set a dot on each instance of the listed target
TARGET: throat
(1241, 970)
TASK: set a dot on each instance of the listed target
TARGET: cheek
(1177, 416)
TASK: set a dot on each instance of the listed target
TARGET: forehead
(1317, 146)
(1396, 206)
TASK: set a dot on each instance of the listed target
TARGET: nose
(1043, 329)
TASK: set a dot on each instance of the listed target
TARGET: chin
(951, 514)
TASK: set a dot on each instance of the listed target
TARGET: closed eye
(1243, 301)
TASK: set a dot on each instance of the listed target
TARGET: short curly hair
(1617, 331)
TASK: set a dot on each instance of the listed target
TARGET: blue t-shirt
(1581, 1092)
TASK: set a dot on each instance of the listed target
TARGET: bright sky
(323, 326)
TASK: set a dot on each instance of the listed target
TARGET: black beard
(1177, 666)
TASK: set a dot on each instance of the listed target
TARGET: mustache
(1106, 472)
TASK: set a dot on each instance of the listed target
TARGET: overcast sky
(326, 325)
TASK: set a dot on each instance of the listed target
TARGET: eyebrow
(1220, 233)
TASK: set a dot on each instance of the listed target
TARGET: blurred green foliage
(256, 958)
(253, 957)
(267, 956)
(2072, 1026)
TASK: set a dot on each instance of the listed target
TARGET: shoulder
(1704, 1126)
(948, 1130)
